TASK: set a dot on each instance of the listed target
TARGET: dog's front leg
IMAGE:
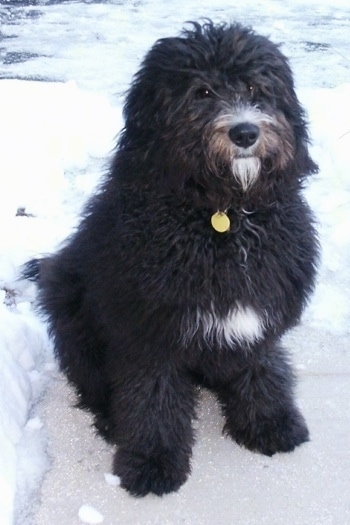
(258, 403)
(152, 409)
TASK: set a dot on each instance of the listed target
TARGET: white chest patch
(242, 324)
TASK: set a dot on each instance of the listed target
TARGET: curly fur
(147, 300)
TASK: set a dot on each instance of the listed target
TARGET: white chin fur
(246, 170)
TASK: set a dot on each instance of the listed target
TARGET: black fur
(138, 298)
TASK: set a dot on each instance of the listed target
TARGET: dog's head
(215, 110)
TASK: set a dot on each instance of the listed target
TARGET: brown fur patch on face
(274, 146)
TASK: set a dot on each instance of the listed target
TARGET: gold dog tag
(220, 222)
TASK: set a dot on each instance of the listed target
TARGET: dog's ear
(159, 85)
(303, 163)
(287, 101)
(149, 98)
(141, 110)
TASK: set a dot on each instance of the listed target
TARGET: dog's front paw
(268, 435)
(159, 473)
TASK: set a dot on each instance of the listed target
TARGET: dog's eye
(252, 90)
(204, 93)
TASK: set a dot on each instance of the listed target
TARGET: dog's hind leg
(258, 403)
(78, 337)
(152, 410)
(80, 354)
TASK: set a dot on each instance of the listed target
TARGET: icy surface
(65, 68)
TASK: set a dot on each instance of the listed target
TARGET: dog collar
(220, 221)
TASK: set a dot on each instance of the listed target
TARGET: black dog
(195, 256)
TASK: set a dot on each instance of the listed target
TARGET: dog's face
(217, 109)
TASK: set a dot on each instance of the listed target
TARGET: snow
(112, 480)
(23, 345)
(89, 514)
(42, 144)
(60, 112)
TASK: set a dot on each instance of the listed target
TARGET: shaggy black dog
(195, 256)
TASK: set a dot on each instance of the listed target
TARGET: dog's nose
(244, 134)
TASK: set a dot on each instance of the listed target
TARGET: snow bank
(23, 347)
(47, 131)
(329, 197)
